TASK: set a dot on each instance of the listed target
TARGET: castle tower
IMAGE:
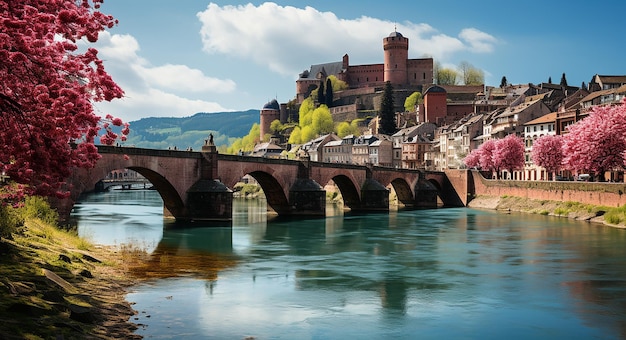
(435, 105)
(396, 49)
(269, 113)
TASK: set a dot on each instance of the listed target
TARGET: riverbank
(572, 210)
(54, 285)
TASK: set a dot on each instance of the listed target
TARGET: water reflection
(445, 273)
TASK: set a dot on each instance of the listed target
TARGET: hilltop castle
(365, 84)
(397, 69)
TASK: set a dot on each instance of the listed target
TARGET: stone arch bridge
(196, 186)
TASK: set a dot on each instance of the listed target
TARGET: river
(446, 273)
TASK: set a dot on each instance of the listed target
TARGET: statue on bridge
(209, 145)
(209, 141)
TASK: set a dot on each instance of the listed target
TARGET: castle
(365, 83)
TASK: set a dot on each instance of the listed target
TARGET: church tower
(396, 49)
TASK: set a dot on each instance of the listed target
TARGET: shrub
(615, 215)
(561, 211)
(10, 220)
(38, 207)
(33, 207)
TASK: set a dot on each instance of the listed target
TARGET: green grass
(615, 215)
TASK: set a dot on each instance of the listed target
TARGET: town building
(361, 149)
(339, 151)
(533, 130)
(314, 149)
(413, 151)
(425, 130)
(381, 151)
(267, 150)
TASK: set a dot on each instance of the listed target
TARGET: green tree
(322, 120)
(470, 74)
(246, 143)
(321, 98)
(276, 126)
(563, 80)
(387, 111)
(411, 101)
(338, 85)
(307, 133)
(295, 136)
(344, 128)
(503, 82)
(447, 76)
(304, 114)
(329, 93)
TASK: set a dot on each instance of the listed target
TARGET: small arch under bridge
(197, 186)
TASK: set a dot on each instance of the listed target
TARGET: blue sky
(176, 58)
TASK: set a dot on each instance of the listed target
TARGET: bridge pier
(308, 198)
(374, 196)
(425, 194)
(209, 200)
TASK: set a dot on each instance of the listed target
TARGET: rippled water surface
(447, 273)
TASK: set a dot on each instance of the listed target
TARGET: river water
(446, 273)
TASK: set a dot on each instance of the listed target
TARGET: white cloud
(154, 103)
(479, 41)
(184, 78)
(288, 39)
(154, 91)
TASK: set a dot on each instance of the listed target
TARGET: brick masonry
(604, 194)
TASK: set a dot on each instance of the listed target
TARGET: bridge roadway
(196, 186)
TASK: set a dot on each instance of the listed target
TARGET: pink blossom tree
(508, 154)
(473, 159)
(485, 155)
(47, 87)
(547, 152)
(597, 143)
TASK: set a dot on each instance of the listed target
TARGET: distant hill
(185, 132)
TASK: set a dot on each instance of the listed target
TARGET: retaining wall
(606, 194)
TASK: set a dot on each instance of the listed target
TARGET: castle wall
(365, 75)
(420, 71)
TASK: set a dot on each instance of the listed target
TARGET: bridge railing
(132, 151)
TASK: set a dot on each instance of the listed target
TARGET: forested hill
(185, 132)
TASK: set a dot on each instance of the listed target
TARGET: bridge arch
(403, 191)
(435, 183)
(347, 176)
(349, 191)
(172, 201)
(274, 192)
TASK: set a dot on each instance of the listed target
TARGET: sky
(177, 58)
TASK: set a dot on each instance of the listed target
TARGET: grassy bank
(55, 285)
(594, 213)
